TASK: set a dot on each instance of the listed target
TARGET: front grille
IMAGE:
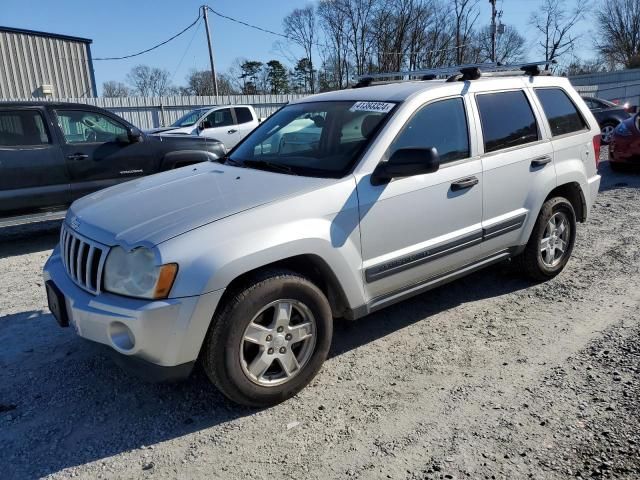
(83, 259)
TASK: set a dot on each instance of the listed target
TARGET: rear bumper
(147, 336)
(594, 187)
(625, 149)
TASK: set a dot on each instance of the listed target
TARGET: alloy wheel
(278, 342)
(607, 133)
(555, 239)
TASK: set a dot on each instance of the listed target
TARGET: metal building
(40, 64)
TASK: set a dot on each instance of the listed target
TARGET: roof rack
(472, 71)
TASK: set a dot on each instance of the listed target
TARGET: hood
(172, 130)
(156, 208)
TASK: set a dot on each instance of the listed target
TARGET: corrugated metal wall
(29, 61)
(152, 112)
(622, 86)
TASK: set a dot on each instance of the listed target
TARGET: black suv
(54, 153)
(608, 115)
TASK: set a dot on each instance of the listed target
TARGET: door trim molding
(412, 260)
(434, 281)
(405, 262)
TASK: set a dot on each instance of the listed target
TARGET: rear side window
(507, 120)
(219, 118)
(24, 127)
(562, 114)
(441, 124)
(243, 115)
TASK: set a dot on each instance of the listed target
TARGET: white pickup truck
(226, 123)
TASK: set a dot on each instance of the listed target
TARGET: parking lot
(488, 377)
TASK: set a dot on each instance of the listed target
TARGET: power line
(186, 51)
(282, 35)
(255, 27)
(155, 46)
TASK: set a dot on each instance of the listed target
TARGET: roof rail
(472, 71)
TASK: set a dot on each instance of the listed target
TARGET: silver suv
(336, 206)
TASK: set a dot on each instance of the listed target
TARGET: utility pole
(494, 29)
(205, 8)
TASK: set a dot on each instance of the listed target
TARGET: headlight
(623, 130)
(135, 274)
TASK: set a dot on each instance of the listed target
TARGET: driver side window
(441, 124)
(80, 126)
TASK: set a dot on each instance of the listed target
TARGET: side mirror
(134, 134)
(406, 162)
(204, 124)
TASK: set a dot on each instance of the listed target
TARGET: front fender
(212, 256)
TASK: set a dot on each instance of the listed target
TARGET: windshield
(316, 138)
(190, 118)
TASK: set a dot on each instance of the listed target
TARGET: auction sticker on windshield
(380, 107)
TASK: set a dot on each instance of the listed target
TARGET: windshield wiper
(270, 166)
(226, 159)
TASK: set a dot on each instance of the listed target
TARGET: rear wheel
(551, 241)
(269, 340)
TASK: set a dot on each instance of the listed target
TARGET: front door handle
(541, 161)
(464, 183)
(77, 156)
(232, 131)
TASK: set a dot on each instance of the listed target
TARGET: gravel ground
(488, 377)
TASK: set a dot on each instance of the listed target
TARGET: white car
(337, 205)
(226, 123)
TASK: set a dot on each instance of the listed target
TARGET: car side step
(32, 218)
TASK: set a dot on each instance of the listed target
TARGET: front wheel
(270, 340)
(551, 241)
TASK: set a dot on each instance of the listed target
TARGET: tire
(236, 365)
(538, 263)
(608, 127)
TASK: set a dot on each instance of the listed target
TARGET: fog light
(121, 336)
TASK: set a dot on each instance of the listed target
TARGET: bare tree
(619, 32)
(432, 41)
(333, 22)
(148, 81)
(114, 89)
(579, 67)
(466, 14)
(200, 82)
(358, 15)
(509, 45)
(556, 26)
(300, 27)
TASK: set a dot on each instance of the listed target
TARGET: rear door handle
(540, 161)
(464, 183)
(77, 156)
(232, 131)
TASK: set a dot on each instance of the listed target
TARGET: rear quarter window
(507, 120)
(22, 127)
(243, 115)
(561, 112)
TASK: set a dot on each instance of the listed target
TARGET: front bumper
(160, 333)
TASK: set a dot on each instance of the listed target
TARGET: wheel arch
(310, 266)
(574, 194)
